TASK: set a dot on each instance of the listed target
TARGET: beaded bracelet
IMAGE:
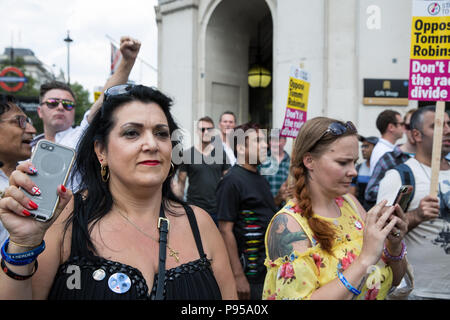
(395, 258)
(347, 284)
(16, 276)
(23, 258)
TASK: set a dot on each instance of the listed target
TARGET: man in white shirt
(428, 238)
(227, 123)
(391, 126)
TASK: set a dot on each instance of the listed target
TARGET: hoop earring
(104, 172)
(172, 170)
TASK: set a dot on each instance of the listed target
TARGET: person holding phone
(104, 242)
(323, 244)
(428, 217)
(16, 133)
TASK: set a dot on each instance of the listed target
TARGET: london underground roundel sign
(19, 79)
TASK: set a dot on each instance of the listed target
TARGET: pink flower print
(347, 261)
(371, 294)
(272, 297)
(318, 261)
(339, 201)
(286, 272)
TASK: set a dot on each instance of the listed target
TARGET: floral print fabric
(298, 275)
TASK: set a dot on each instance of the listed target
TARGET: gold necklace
(172, 252)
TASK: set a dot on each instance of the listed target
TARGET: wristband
(395, 258)
(347, 284)
(23, 258)
(16, 276)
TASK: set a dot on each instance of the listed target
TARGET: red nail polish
(33, 205)
(63, 189)
(26, 212)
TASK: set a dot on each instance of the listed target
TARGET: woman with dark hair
(125, 235)
(323, 244)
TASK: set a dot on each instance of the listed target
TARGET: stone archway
(228, 29)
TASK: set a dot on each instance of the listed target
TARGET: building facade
(205, 51)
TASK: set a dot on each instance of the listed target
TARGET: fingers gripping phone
(53, 163)
(403, 196)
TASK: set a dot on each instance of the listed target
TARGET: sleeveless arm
(292, 269)
(285, 235)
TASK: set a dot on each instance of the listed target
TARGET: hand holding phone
(53, 163)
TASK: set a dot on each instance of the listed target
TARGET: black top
(204, 173)
(244, 197)
(95, 278)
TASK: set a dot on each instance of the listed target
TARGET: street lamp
(68, 41)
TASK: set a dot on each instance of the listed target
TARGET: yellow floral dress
(298, 275)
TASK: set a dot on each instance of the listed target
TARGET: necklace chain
(173, 253)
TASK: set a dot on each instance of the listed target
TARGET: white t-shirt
(379, 150)
(4, 183)
(230, 153)
(428, 244)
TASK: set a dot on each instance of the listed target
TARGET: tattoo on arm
(281, 239)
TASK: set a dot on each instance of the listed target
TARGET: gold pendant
(174, 254)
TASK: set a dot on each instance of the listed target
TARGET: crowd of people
(238, 218)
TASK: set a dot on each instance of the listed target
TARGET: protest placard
(297, 103)
(429, 72)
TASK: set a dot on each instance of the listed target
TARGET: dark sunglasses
(119, 90)
(337, 129)
(206, 129)
(22, 121)
(53, 103)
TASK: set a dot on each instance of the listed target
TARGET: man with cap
(359, 183)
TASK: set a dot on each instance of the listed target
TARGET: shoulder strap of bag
(163, 226)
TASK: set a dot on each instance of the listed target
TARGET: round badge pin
(119, 283)
(99, 274)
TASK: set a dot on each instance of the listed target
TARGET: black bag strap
(194, 227)
(163, 226)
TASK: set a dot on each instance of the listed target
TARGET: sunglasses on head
(119, 90)
(21, 120)
(337, 129)
(53, 103)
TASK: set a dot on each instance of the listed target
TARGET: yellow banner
(430, 38)
(298, 94)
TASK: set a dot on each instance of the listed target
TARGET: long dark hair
(91, 206)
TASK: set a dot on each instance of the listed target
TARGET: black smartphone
(53, 163)
(404, 196)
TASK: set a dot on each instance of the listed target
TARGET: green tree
(82, 99)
